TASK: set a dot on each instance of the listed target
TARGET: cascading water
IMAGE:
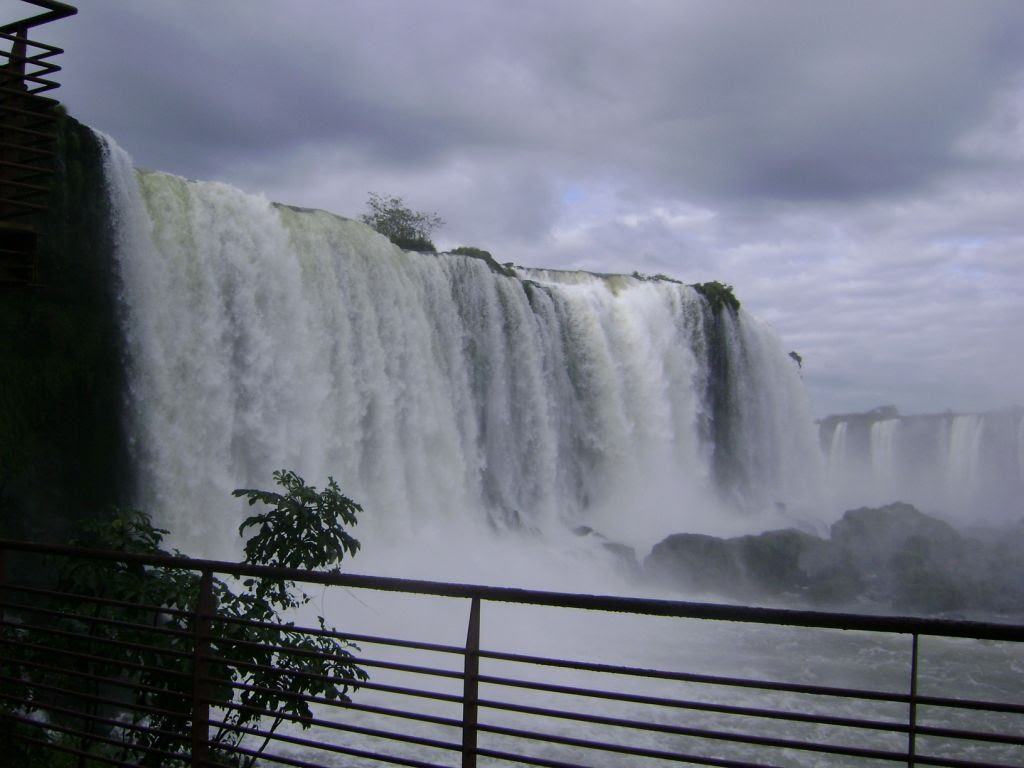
(446, 397)
(964, 467)
(962, 459)
(478, 417)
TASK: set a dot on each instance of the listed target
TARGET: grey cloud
(796, 100)
(848, 155)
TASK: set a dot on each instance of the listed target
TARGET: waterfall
(442, 394)
(837, 450)
(964, 467)
(883, 448)
(962, 457)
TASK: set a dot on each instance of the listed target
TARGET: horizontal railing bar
(106, 641)
(630, 697)
(159, 629)
(334, 748)
(284, 628)
(450, 722)
(367, 684)
(99, 719)
(950, 762)
(39, 64)
(90, 736)
(10, 36)
(36, 150)
(349, 682)
(102, 678)
(27, 132)
(34, 685)
(55, 10)
(723, 709)
(123, 683)
(754, 740)
(717, 762)
(374, 639)
(689, 677)
(894, 698)
(336, 726)
(44, 84)
(46, 51)
(971, 704)
(527, 760)
(411, 668)
(57, 746)
(954, 733)
(356, 660)
(27, 206)
(644, 606)
(296, 763)
(96, 599)
(43, 115)
(763, 741)
(18, 196)
(35, 170)
(398, 643)
(32, 188)
(369, 708)
(21, 96)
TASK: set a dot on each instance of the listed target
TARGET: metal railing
(430, 703)
(27, 136)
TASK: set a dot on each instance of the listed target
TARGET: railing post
(471, 686)
(912, 732)
(200, 671)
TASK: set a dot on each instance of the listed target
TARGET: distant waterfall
(883, 448)
(964, 466)
(963, 456)
(439, 392)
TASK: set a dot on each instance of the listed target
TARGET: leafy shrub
(405, 227)
(719, 295)
(140, 646)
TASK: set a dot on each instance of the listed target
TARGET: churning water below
(963, 669)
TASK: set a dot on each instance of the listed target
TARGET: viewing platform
(28, 123)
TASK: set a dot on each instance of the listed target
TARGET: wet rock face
(907, 559)
(873, 537)
(893, 557)
(769, 564)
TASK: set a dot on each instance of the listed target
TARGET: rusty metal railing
(429, 703)
(27, 136)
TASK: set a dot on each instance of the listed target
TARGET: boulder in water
(894, 557)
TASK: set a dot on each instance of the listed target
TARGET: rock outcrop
(893, 557)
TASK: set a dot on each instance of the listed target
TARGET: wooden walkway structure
(27, 137)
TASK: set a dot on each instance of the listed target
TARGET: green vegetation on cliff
(405, 227)
(719, 295)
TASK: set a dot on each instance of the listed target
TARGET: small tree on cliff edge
(405, 227)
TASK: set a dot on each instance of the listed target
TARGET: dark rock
(874, 536)
(625, 556)
(894, 557)
(694, 562)
(776, 562)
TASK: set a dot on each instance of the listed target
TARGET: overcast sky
(854, 169)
